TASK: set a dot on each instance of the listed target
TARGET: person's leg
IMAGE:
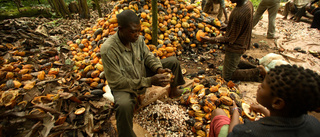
(316, 20)
(286, 10)
(252, 74)
(124, 106)
(173, 64)
(231, 61)
(208, 6)
(220, 13)
(273, 10)
(301, 12)
(243, 64)
(246, 74)
(203, 3)
(260, 10)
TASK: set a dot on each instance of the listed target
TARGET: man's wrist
(157, 71)
(235, 109)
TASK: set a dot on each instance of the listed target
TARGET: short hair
(126, 17)
(298, 87)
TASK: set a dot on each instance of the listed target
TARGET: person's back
(239, 28)
(303, 126)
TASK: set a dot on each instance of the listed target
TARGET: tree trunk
(98, 7)
(154, 23)
(60, 7)
(73, 7)
(83, 9)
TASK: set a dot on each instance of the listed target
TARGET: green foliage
(255, 3)
(8, 8)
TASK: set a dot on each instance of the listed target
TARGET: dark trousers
(125, 102)
(316, 20)
(236, 69)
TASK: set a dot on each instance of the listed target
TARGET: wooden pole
(154, 23)
(83, 9)
(55, 6)
(64, 8)
(98, 6)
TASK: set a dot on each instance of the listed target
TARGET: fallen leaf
(48, 123)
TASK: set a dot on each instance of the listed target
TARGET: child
(287, 93)
(237, 40)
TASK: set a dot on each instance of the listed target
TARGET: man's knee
(124, 104)
(171, 61)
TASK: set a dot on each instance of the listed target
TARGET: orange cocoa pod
(94, 84)
(214, 89)
(60, 120)
(53, 71)
(230, 84)
(9, 75)
(29, 85)
(41, 75)
(27, 66)
(97, 79)
(24, 71)
(99, 66)
(17, 84)
(7, 67)
(169, 49)
(26, 77)
(95, 73)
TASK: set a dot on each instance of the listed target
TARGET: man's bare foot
(262, 70)
(175, 92)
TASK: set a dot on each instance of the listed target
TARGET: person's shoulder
(248, 129)
(312, 125)
(246, 126)
(249, 4)
(140, 42)
(140, 39)
(312, 120)
(108, 44)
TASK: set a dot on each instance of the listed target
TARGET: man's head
(290, 89)
(129, 25)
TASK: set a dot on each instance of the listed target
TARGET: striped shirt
(238, 33)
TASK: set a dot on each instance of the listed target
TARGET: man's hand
(160, 80)
(224, 26)
(234, 107)
(208, 39)
(163, 70)
(256, 107)
(225, 22)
